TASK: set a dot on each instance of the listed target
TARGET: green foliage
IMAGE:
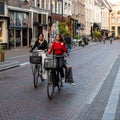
(62, 28)
(67, 22)
(77, 37)
(96, 34)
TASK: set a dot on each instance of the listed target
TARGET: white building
(67, 8)
(89, 16)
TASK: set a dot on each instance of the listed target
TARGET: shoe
(73, 84)
(63, 80)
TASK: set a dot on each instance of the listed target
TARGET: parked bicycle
(51, 64)
(36, 65)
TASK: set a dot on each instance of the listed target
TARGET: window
(33, 3)
(38, 3)
(18, 18)
(47, 4)
(113, 20)
(42, 4)
(118, 30)
(118, 12)
(113, 28)
(60, 8)
(56, 7)
(24, 19)
(53, 6)
(11, 15)
(118, 20)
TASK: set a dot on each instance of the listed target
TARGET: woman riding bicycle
(41, 44)
(58, 48)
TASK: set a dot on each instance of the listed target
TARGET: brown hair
(61, 38)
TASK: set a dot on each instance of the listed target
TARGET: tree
(62, 28)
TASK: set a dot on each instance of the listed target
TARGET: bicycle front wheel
(50, 86)
(36, 74)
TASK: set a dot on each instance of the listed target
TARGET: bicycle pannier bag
(50, 63)
(35, 59)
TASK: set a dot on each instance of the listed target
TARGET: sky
(113, 1)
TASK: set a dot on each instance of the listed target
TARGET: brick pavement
(96, 110)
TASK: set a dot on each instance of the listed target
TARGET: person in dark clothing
(68, 41)
(41, 44)
(68, 73)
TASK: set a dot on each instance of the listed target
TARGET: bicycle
(54, 77)
(36, 66)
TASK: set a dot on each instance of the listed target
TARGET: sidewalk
(10, 56)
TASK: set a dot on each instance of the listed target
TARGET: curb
(10, 67)
(8, 64)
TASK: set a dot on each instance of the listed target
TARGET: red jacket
(58, 48)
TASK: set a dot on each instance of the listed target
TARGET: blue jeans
(68, 46)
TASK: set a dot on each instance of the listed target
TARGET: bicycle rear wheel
(50, 85)
(36, 74)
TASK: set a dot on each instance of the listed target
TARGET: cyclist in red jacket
(58, 48)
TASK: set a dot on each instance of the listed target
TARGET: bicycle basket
(50, 63)
(35, 59)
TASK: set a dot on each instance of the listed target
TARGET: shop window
(11, 37)
(18, 38)
(18, 19)
(24, 20)
(44, 19)
(11, 15)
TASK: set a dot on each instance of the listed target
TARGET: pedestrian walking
(68, 40)
(104, 38)
(111, 39)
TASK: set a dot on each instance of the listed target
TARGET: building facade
(28, 18)
(115, 20)
(4, 22)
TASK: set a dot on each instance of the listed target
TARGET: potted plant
(2, 54)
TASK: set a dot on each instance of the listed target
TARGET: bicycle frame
(53, 80)
(37, 69)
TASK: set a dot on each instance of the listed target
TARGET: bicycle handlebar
(49, 55)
